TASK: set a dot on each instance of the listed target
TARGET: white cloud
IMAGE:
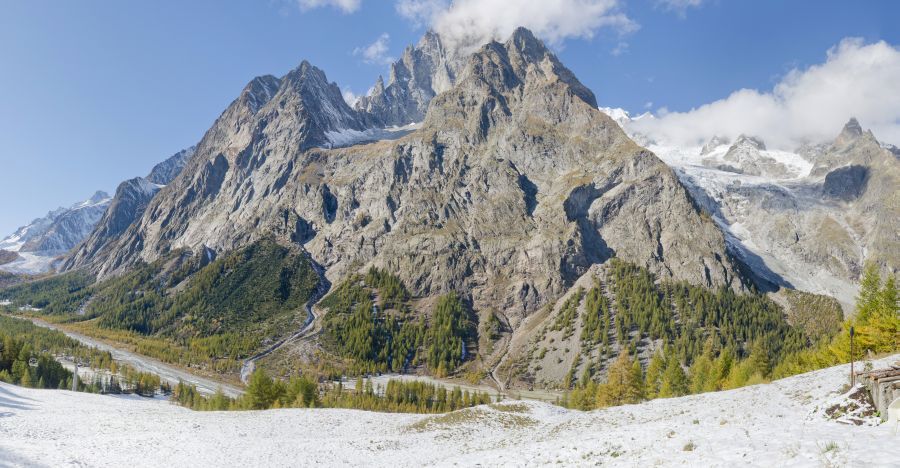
(679, 6)
(347, 6)
(856, 80)
(619, 49)
(421, 12)
(376, 52)
(350, 97)
(466, 24)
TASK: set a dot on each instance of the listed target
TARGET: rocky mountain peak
(852, 128)
(853, 133)
(259, 91)
(421, 73)
(98, 197)
(528, 46)
(747, 141)
(166, 171)
(713, 143)
(308, 110)
(496, 70)
(512, 187)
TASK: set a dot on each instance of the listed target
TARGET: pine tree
(262, 391)
(869, 291)
(759, 359)
(623, 383)
(25, 380)
(655, 370)
(674, 383)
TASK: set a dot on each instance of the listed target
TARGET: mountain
(807, 218)
(128, 204)
(60, 229)
(513, 186)
(510, 191)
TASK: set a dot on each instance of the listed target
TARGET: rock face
(7, 256)
(512, 188)
(846, 183)
(745, 156)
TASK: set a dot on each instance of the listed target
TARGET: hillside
(775, 424)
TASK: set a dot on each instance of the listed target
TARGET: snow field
(777, 424)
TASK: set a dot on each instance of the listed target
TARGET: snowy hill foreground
(777, 424)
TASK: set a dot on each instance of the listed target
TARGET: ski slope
(777, 424)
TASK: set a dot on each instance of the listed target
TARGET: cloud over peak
(376, 52)
(466, 24)
(807, 105)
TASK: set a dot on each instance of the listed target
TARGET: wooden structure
(884, 387)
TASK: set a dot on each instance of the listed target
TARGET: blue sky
(97, 91)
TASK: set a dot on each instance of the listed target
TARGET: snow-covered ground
(778, 424)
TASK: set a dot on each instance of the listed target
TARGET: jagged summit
(166, 171)
(852, 128)
(259, 91)
(749, 142)
(528, 46)
(423, 71)
(713, 143)
(98, 197)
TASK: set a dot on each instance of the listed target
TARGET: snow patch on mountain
(348, 136)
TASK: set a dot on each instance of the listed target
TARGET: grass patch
(504, 420)
(510, 407)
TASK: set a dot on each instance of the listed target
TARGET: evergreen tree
(654, 377)
(674, 382)
(624, 383)
(262, 391)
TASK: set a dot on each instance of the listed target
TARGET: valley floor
(775, 424)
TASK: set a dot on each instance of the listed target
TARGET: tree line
(28, 358)
(265, 392)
